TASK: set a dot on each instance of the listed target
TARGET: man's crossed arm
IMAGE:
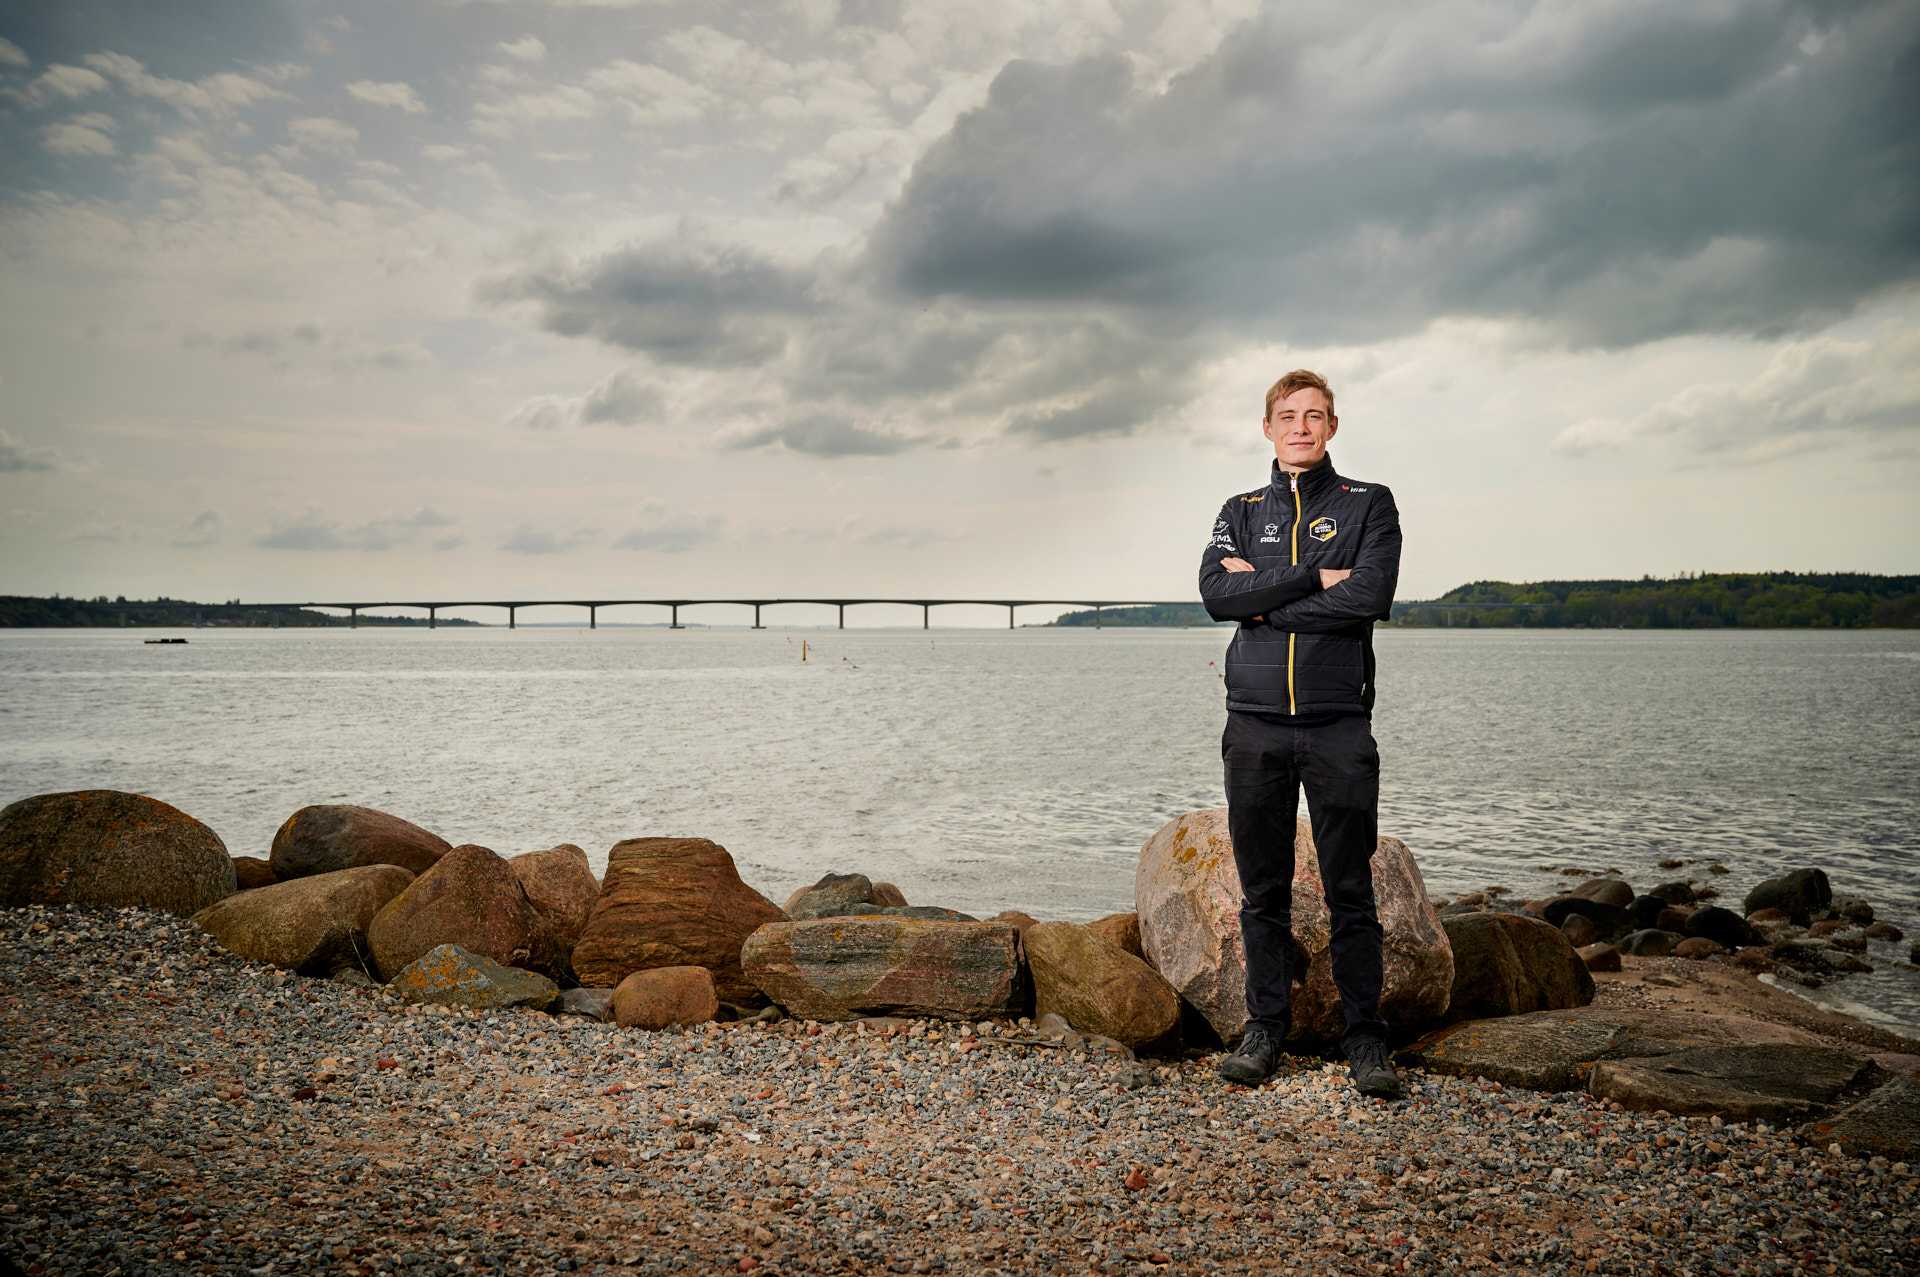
(1304, 599)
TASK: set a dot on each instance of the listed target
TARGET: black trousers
(1268, 761)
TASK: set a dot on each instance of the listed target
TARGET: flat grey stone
(1543, 1051)
(1768, 1081)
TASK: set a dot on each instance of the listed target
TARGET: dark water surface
(991, 769)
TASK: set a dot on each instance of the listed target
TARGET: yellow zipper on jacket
(1294, 481)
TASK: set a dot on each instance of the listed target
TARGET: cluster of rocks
(1791, 925)
(671, 936)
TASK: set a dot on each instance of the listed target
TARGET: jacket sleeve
(1367, 595)
(1240, 596)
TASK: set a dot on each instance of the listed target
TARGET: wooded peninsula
(1709, 600)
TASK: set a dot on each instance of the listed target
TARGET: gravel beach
(169, 1107)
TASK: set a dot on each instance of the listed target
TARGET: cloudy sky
(376, 298)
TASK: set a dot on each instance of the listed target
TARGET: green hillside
(1713, 600)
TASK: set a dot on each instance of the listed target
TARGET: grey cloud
(71, 137)
(525, 539)
(95, 532)
(1810, 390)
(825, 435)
(314, 532)
(1319, 184)
(682, 302)
(665, 539)
(1114, 409)
(19, 458)
(453, 542)
(622, 400)
(204, 530)
(902, 538)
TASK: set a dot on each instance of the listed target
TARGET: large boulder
(671, 902)
(311, 924)
(845, 968)
(662, 997)
(470, 898)
(1508, 964)
(111, 849)
(1797, 894)
(1722, 926)
(560, 889)
(332, 836)
(1187, 895)
(1097, 986)
(449, 975)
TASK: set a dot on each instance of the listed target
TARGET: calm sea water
(986, 770)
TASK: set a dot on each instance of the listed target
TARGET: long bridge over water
(673, 605)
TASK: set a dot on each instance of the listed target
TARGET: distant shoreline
(1707, 601)
(59, 612)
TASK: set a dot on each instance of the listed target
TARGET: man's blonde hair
(1298, 379)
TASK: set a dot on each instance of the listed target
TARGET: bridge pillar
(926, 616)
(353, 615)
(433, 617)
(843, 616)
(593, 617)
(511, 622)
(1009, 616)
(675, 623)
(1096, 616)
(756, 618)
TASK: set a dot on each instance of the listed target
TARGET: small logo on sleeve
(1323, 529)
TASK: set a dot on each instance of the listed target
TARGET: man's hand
(1330, 577)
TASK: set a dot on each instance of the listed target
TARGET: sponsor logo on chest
(1270, 534)
(1323, 529)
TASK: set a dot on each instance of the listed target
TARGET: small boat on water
(166, 640)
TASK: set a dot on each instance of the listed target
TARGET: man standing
(1306, 565)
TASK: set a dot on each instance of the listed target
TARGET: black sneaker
(1372, 1072)
(1255, 1059)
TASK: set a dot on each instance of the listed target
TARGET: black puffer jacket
(1311, 651)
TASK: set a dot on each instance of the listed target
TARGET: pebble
(151, 1086)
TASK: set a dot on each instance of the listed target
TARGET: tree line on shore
(61, 611)
(1708, 600)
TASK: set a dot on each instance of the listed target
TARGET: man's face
(1300, 427)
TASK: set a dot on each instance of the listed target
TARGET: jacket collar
(1314, 482)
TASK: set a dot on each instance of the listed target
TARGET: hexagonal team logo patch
(1323, 529)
